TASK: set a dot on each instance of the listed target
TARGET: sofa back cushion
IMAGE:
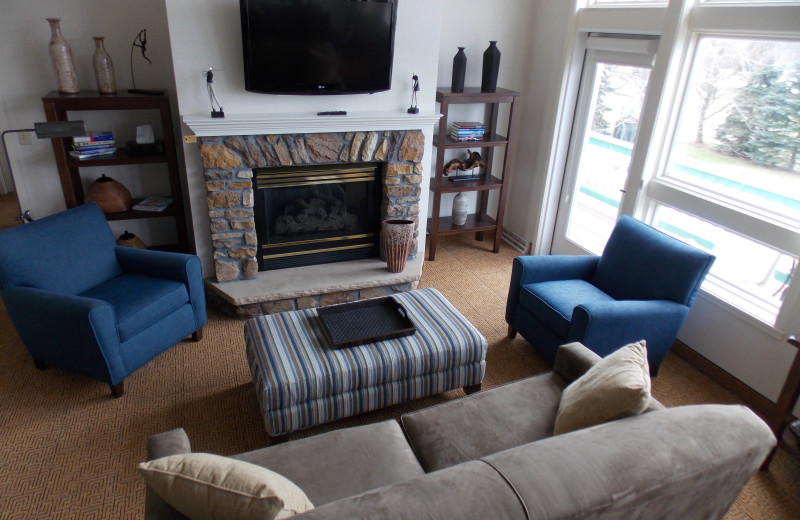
(642, 263)
(68, 252)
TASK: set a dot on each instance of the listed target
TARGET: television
(318, 46)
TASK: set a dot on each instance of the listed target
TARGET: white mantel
(308, 123)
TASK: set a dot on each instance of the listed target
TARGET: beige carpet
(68, 450)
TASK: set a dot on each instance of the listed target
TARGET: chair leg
(511, 332)
(197, 335)
(117, 390)
(38, 363)
(471, 389)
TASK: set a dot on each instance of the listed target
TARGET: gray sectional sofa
(493, 455)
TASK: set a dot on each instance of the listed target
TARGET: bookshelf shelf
(485, 182)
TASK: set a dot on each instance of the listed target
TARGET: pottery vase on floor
(459, 71)
(61, 54)
(398, 236)
(103, 68)
(491, 67)
(459, 209)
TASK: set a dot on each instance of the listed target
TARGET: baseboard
(754, 400)
(516, 241)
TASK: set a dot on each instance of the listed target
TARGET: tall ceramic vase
(459, 209)
(459, 71)
(398, 236)
(61, 54)
(491, 67)
(103, 68)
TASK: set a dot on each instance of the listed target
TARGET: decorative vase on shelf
(128, 239)
(110, 195)
(61, 55)
(103, 68)
(459, 209)
(459, 71)
(491, 66)
(398, 236)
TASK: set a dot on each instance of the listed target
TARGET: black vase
(491, 66)
(459, 70)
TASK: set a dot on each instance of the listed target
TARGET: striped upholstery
(301, 382)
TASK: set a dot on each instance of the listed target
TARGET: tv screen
(318, 46)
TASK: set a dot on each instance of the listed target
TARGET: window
(732, 177)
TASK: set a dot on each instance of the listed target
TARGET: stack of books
(467, 131)
(94, 144)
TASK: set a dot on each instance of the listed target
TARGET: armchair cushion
(212, 487)
(139, 301)
(553, 302)
(617, 386)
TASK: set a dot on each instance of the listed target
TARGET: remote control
(333, 113)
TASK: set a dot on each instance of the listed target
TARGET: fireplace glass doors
(317, 214)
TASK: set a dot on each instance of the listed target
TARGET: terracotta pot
(110, 195)
(398, 236)
(130, 240)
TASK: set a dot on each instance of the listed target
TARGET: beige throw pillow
(617, 386)
(210, 487)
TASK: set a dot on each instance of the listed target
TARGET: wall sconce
(47, 130)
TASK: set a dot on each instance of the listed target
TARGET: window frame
(684, 23)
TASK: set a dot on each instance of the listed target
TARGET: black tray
(366, 321)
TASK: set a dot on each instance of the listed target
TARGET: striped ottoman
(301, 381)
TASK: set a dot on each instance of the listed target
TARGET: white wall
(28, 75)
(207, 33)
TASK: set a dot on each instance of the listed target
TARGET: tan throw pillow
(617, 386)
(211, 487)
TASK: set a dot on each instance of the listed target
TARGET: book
(94, 145)
(80, 154)
(461, 124)
(93, 137)
(154, 204)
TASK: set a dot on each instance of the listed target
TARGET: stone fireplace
(233, 168)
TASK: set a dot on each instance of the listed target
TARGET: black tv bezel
(246, 56)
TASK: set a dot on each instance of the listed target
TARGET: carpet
(69, 450)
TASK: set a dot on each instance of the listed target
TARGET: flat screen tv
(318, 46)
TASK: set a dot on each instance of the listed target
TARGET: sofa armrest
(573, 360)
(172, 442)
(164, 444)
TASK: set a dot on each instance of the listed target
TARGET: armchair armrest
(83, 328)
(543, 268)
(606, 326)
(573, 360)
(172, 266)
(159, 264)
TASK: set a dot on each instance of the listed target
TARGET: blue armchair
(81, 302)
(641, 287)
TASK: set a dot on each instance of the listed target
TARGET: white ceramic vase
(103, 68)
(459, 209)
(61, 54)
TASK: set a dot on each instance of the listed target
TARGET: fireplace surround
(231, 165)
